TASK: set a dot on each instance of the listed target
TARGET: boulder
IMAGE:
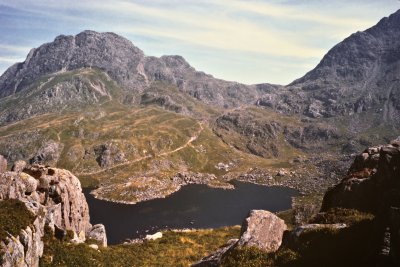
(155, 236)
(18, 166)
(94, 246)
(263, 230)
(98, 233)
(3, 164)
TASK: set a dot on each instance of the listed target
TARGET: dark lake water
(194, 206)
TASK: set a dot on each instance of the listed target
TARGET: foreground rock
(262, 229)
(55, 198)
(98, 233)
(372, 183)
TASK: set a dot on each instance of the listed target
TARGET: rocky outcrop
(18, 166)
(55, 197)
(250, 132)
(25, 249)
(262, 229)
(48, 154)
(372, 183)
(3, 164)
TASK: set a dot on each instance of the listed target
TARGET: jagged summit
(108, 51)
(126, 65)
(360, 75)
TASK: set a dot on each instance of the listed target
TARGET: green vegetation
(14, 216)
(289, 217)
(329, 246)
(341, 215)
(251, 257)
(174, 249)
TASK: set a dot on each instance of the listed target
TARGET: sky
(248, 41)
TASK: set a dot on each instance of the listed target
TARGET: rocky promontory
(54, 200)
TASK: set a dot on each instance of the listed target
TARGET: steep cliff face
(54, 198)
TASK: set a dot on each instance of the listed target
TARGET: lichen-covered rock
(263, 230)
(48, 154)
(18, 166)
(25, 249)
(98, 233)
(55, 197)
(3, 164)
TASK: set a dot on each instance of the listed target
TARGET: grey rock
(3, 164)
(60, 205)
(18, 166)
(371, 184)
(98, 233)
(358, 75)
(48, 154)
(263, 230)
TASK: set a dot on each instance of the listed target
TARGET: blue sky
(249, 41)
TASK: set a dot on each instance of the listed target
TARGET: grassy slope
(146, 135)
(174, 249)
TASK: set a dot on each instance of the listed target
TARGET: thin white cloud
(271, 30)
(14, 48)
(11, 60)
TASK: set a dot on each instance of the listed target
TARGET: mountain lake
(193, 206)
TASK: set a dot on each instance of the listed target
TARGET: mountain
(96, 104)
(120, 61)
(360, 75)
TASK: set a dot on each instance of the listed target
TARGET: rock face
(26, 249)
(49, 153)
(262, 229)
(3, 164)
(356, 76)
(55, 197)
(372, 183)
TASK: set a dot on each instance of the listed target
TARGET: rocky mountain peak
(358, 75)
(107, 51)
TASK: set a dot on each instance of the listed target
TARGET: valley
(91, 114)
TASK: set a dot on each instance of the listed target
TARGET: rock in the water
(18, 166)
(3, 164)
(263, 230)
(98, 233)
